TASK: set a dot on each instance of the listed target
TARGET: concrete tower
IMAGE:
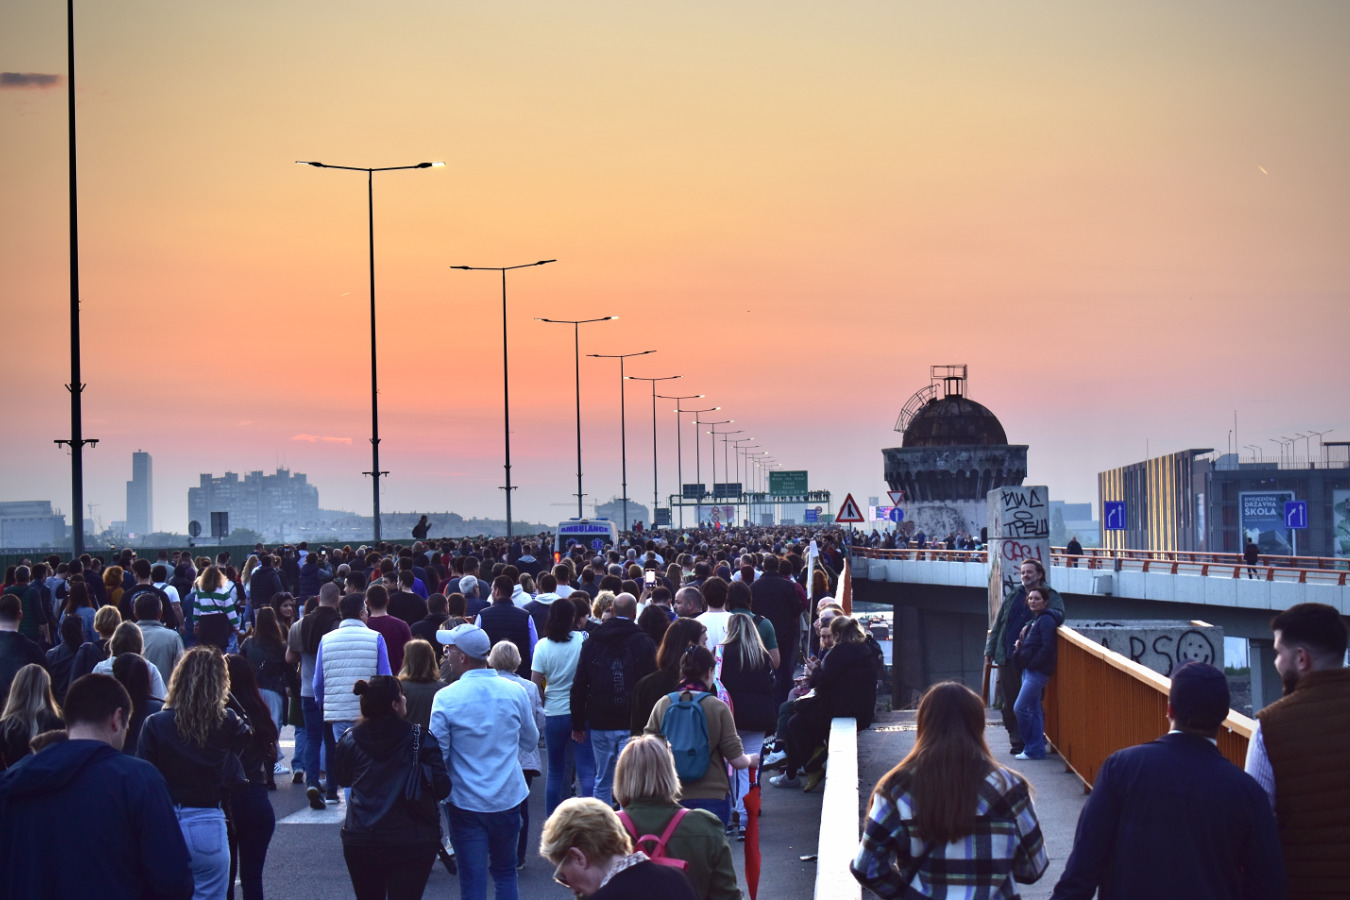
(140, 496)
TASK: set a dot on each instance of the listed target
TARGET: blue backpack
(685, 726)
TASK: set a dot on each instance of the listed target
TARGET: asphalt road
(304, 861)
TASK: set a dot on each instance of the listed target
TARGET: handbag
(419, 776)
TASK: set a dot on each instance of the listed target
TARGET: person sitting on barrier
(775, 748)
(948, 820)
(1036, 652)
(845, 686)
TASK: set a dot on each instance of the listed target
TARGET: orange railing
(1099, 702)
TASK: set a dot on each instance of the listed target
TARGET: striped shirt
(1006, 846)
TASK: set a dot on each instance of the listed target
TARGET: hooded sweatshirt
(140, 853)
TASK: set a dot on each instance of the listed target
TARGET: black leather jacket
(197, 776)
(374, 760)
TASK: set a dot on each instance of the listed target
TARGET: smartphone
(650, 576)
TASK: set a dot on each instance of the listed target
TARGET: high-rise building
(280, 506)
(31, 524)
(140, 497)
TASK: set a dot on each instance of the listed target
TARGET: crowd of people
(422, 682)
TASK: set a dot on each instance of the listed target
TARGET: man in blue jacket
(86, 786)
(1173, 818)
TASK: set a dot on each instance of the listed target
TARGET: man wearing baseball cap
(1173, 817)
(483, 723)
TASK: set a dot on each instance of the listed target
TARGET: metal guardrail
(1099, 702)
(1299, 569)
(839, 824)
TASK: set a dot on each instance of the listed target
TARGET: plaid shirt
(1005, 846)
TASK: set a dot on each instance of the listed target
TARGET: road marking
(333, 814)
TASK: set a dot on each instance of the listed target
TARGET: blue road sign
(811, 516)
(897, 514)
(1113, 515)
(1296, 514)
(597, 544)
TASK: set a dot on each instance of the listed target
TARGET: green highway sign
(787, 483)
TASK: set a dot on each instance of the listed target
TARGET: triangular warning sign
(849, 512)
(897, 497)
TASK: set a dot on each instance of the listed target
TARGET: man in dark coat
(139, 853)
(776, 599)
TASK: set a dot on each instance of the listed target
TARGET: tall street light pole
(736, 451)
(726, 466)
(623, 424)
(712, 455)
(656, 502)
(679, 443)
(698, 470)
(506, 380)
(576, 343)
(77, 439)
(375, 471)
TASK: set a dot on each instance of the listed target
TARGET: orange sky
(1130, 223)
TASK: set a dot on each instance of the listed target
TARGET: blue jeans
(607, 745)
(1030, 713)
(208, 846)
(276, 705)
(561, 751)
(720, 808)
(320, 737)
(301, 751)
(485, 842)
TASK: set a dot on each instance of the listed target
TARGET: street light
(576, 341)
(506, 387)
(698, 469)
(374, 472)
(623, 426)
(726, 468)
(742, 451)
(679, 443)
(1319, 440)
(655, 497)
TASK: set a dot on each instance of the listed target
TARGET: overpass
(941, 605)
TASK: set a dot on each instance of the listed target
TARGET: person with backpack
(702, 736)
(645, 785)
(615, 657)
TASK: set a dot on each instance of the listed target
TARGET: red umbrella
(752, 833)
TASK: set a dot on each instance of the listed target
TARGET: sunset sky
(1130, 222)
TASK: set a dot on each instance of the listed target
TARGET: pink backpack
(657, 853)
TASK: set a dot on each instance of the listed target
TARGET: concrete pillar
(1019, 529)
(1266, 687)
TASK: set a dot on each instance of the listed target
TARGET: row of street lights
(376, 472)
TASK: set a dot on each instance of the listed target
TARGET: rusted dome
(951, 421)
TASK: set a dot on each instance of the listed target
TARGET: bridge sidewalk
(1059, 795)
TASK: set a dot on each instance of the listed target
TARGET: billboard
(1262, 521)
(787, 483)
(1340, 527)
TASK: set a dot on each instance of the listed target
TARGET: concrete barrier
(839, 823)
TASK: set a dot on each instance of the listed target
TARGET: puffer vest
(350, 653)
(1307, 738)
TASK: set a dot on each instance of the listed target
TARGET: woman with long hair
(680, 636)
(246, 577)
(421, 680)
(552, 669)
(195, 743)
(265, 651)
(128, 639)
(30, 710)
(247, 807)
(106, 620)
(708, 789)
(215, 609)
(390, 839)
(948, 817)
(648, 793)
(79, 604)
(134, 673)
(112, 585)
(746, 672)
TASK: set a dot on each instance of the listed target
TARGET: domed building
(954, 453)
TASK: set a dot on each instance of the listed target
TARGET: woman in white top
(127, 639)
(552, 669)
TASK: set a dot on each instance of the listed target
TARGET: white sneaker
(783, 781)
(773, 760)
(1020, 756)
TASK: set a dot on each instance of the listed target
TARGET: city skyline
(1129, 223)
